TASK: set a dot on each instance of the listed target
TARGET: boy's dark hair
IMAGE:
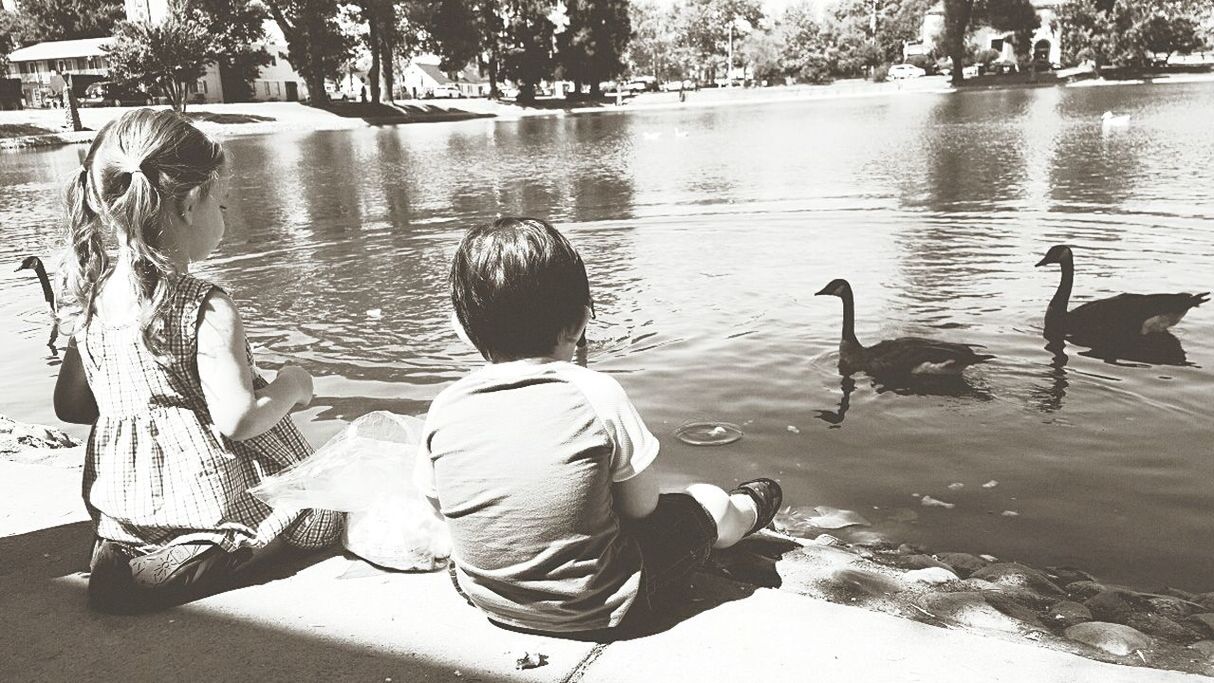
(516, 285)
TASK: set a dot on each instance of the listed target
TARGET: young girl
(158, 363)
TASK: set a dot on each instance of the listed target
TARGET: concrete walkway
(340, 619)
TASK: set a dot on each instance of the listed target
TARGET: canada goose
(35, 264)
(1121, 316)
(902, 356)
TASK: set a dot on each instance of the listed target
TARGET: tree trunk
(957, 15)
(493, 91)
(387, 67)
(373, 43)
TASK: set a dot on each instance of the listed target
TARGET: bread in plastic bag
(367, 471)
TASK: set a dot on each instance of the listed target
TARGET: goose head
(1059, 253)
(837, 287)
(30, 263)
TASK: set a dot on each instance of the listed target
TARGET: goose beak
(823, 292)
(1043, 262)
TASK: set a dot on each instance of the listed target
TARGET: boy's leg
(675, 540)
(741, 511)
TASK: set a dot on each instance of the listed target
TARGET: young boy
(542, 468)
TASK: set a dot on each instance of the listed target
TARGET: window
(997, 43)
(204, 87)
(267, 84)
(277, 89)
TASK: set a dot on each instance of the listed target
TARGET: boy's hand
(302, 382)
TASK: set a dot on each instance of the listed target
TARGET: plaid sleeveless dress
(157, 471)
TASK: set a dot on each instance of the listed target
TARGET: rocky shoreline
(1061, 608)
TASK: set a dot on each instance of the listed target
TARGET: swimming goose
(902, 356)
(35, 264)
(1121, 316)
(1111, 120)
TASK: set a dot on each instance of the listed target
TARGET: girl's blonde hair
(138, 168)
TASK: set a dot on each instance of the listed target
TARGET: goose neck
(1063, 295)
(849, 317)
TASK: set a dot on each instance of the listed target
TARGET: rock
(963, 564)
(1116, 606)
(1162, 627)
(1082, 590)
(1068, 613)
(1175, 609)
(1206, 648)
(930, 575)
(1177, 593)
(1012, 608)
(928, 501)
(1115, 639)
(1205, 599)
(864, 582)
(1016, 574)
(826, 539)
(1204, 620)
(18, 436)
(917, 562)
(1019, 593)
(1067, 575)
(911, 549)
(971, 610)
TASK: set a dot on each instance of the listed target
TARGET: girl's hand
(302, 382)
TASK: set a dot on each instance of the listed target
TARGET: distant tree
(464, 31)
(37, 21)
(810, 54)
(8, 41)
(591, 47)
(238, 30)
(528, 53)
(658, 45)
(961, 16)
(713, 27)
(763, 51)
(317, 42)
(1123, 33)
(167, 55)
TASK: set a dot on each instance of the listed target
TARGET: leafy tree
(810, 54)
(763, 51)
(961, 16)
(591, 47)
(1123, 33)
(317, 43)
(713, 26)
(658, 46)
(168, 55)
(238, 30)
(7, 40)
(43, 20)
(528, 44)
(461, 32)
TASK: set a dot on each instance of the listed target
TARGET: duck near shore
(896, 357)
(1124, 316)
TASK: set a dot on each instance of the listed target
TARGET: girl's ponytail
(85, 265)
(137, 170)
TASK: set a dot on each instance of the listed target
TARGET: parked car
(900, 71)
(971, 71)
(643, 84)
(447, 91)
(112, 94)
(1001, 67)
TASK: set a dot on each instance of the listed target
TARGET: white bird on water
(1111, 120)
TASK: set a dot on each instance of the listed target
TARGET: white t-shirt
(521, 457)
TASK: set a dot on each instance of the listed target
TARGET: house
(422, 77)
(1046, 44)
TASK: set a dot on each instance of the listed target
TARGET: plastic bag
(367, 472)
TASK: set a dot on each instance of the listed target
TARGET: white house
(1046, 43)
(423, 76)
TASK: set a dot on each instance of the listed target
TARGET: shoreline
(827, 555)
(265, 118)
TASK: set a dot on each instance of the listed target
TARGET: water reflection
(1158, 348)
(949, 386)
(1048, 399)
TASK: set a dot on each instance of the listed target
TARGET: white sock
(749, 505)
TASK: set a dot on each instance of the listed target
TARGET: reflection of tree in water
(1091, 168)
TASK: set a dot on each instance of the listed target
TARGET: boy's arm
(239, 411)
(636, 497)
(74, 400)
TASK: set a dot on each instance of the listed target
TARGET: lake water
(706, 233)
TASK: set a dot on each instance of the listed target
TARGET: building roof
(471, 75)
(434, 72)
(61, 49)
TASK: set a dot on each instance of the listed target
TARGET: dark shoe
(767, 496)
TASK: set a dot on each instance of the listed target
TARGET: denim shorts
(675, 541)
